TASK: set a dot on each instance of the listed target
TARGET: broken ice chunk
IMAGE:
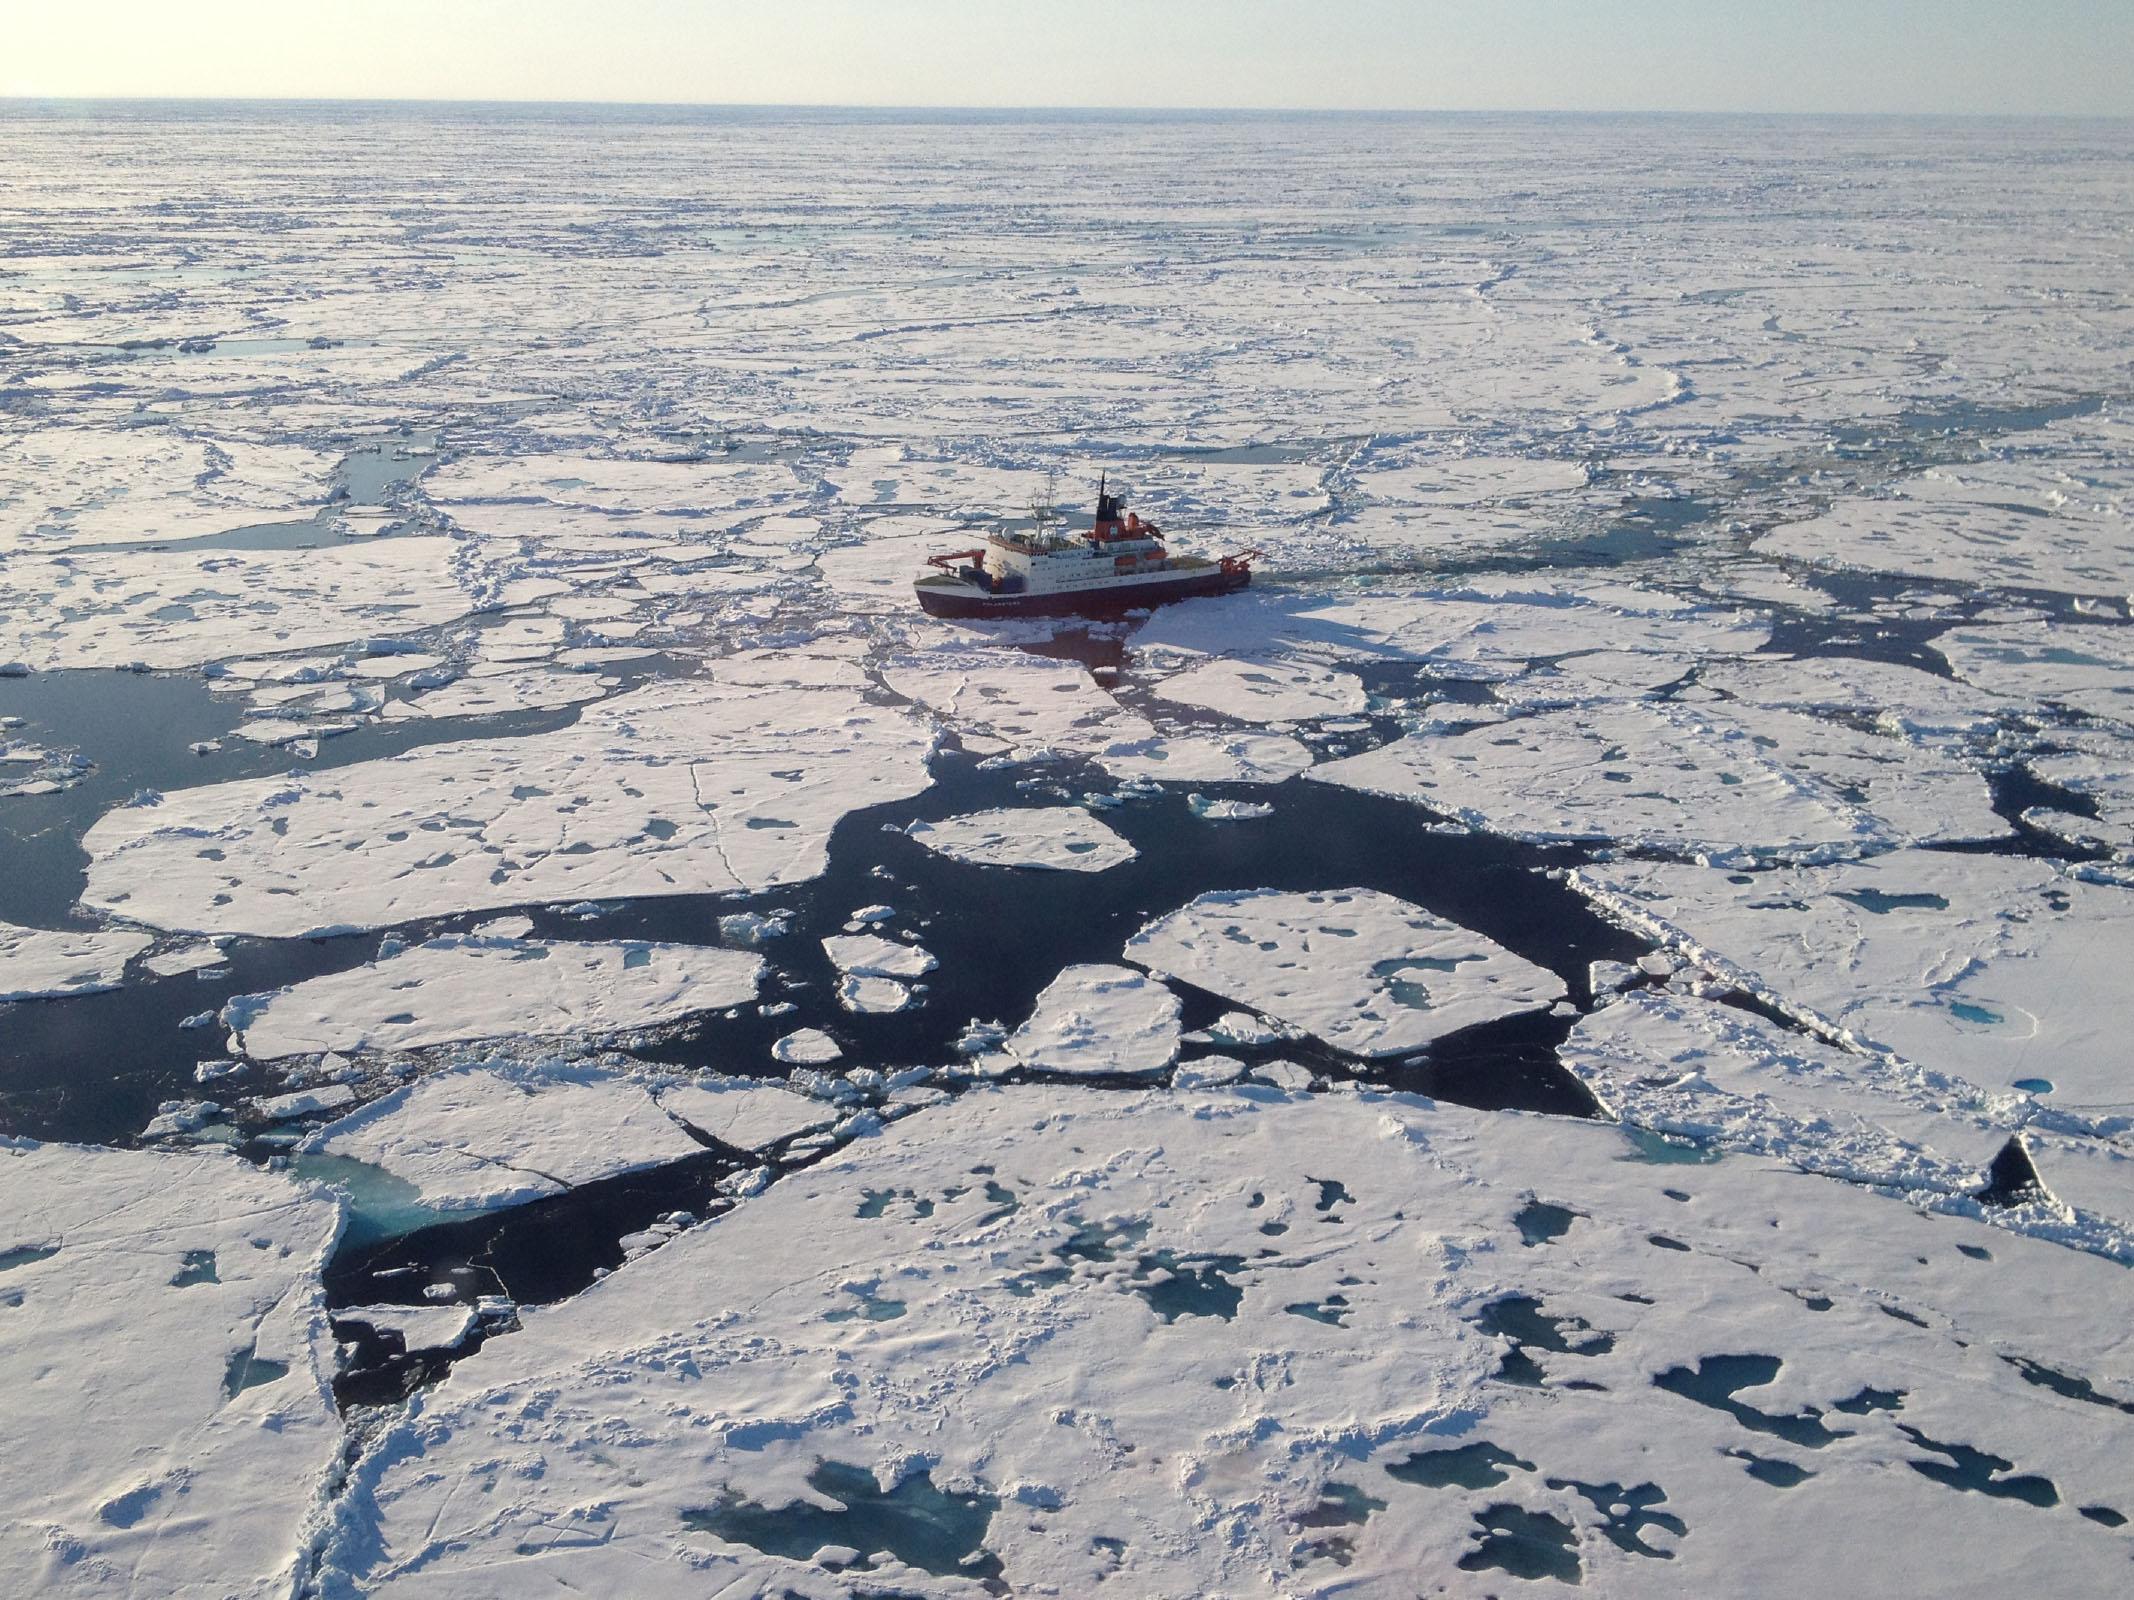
(807, 1047)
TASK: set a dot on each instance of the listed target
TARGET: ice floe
(1367, 973)
(2086, 667)
(1426, 1340)
(1996, 523)
(486, 987)
(682, 787)
(1266, 691)
(1100, 1020)
(746, 1113)
(1995, 969)
(178, 608)
(500, 1133)
(169, 1426)
(45, 963)
(1062, 838)
(1712, 780)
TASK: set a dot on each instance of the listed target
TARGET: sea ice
(500, 1133)
(43, 964)
(1063, 838)
(807, 1047)
(746, 1113)
(418, 1327)
(1367, 973)
(873, 956)
(119, 608)
(973, 1336)
(2086, 667)
(482, 987)
(1100, 1020)
(1993, 524)
(169, 1426)
(1266, 691)
(1715, 780)
(682, 787)
(1992, 968)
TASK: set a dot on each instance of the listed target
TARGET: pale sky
(2025, 56)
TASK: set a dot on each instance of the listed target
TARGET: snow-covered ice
(1095, 1019)
(1622, 489)
(1063, 838)
(1709, 779)
(43, 963)
(499, 1133)
(1367, 973)
(1996, 969)
(169, 1426)
(687, 787)
(747, 1113)
(484, 987)
(1290, 1317)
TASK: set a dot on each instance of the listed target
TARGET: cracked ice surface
(1061, 838)
(746, 1113)
(1270, 691)
(1992, 968)
(2086, 667)
(178, 608)
(1490, 628)
(499, 1133)
(1339, 1279)
(1716, 780)
(1367, 973)
(1029, 707)
(64, 486)
(688, 786)
(2002, 522)
(454, 988)
(169, 1427)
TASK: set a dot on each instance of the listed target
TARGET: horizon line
(1128, 111)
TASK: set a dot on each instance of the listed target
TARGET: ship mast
(1044, 510)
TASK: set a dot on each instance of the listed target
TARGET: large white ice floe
(169, 1427)
(62, 486)
(48, 963)
(501, 1133)
(1367, 973)
(1101, 1020)
(177, 608)
(1240, 1342)
(1725, 1076)
(687, 786)
(480, 987)
(1266, 691)
(1996, 523)
(1062, 838)
(1900, 699)
(2086, 667)
(1996, 969)
(1708, 779)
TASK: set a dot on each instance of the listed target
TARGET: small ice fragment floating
(1119, 564)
